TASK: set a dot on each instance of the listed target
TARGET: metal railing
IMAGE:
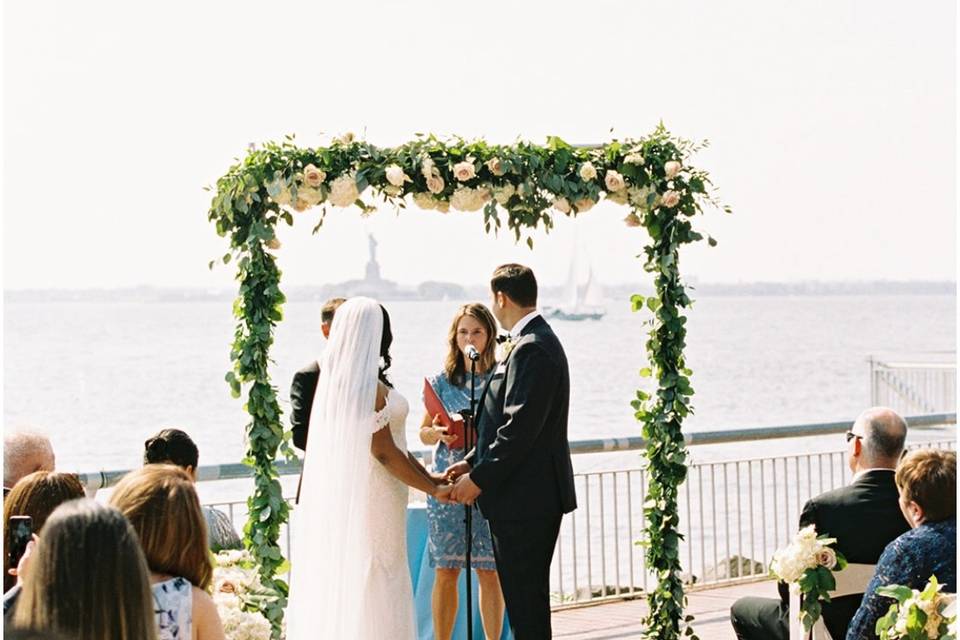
(912, 387)
(733, 513)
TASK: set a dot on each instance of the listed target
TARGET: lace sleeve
(381, 418)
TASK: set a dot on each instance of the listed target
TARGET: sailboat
(584, 301)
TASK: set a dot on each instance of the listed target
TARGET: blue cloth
(422, 575)
(447, 548)
(910, 560)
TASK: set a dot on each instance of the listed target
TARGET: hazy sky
(832, 127)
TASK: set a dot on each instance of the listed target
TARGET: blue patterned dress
(910, 560)
(447, 546)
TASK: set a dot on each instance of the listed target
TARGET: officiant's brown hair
(161, 503)
(517, 282)
(455, 366)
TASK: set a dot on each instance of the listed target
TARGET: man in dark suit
(305, 382)
(864, 517)
(520, 471)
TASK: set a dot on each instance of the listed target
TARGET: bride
(350, 577)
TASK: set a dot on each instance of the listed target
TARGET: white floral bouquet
(239, 595)
(918, 615)
(807, 565)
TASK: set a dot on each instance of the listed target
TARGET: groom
(520, 471)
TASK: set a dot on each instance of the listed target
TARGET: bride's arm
(385, 450)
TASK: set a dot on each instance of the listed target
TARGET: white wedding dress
(349, 572)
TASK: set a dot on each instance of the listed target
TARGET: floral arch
(649, 176)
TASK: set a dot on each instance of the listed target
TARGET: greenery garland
(281, 182)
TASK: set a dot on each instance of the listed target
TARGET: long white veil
(332, 551)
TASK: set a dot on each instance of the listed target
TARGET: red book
(435, 407)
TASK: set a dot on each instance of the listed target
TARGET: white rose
(424, 200)
(671, 199)
(827, 557)
(391, 190)
(466, 199)
(504, 193)
(632, 220)
(634, 158)
(343, 191)
(464, 171)
(614, 181)
(312, 176)
(443, 206)
(562, 205)
(310, 196)
(588, 171)
(495, 166)
(583, 205)
(485, 193)
(396, 176)
(301, 205)
(428, 167)
(618, 197)
(671, 169)
(435, 184)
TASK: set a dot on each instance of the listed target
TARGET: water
(101, 378)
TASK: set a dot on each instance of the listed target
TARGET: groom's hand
(456, 470)
(465, 491)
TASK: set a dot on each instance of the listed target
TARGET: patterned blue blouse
(910, 560)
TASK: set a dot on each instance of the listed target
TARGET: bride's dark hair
(385, 341)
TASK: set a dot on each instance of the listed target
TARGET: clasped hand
(455, 486)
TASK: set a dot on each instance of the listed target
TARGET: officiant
(473, 325)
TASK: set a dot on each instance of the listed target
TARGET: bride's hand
(442, 493)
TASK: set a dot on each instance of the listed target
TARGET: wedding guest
(35, 495)
(474, 325)
(176, 447)
(161, 503)
(25, 452)
(305, 381)
(864, 517)
(927, 481)
(87, 578)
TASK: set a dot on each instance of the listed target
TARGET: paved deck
(621, 620)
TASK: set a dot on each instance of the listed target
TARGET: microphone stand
(468, 443)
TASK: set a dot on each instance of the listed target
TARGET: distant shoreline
(150, 294)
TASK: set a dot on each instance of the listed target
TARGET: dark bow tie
(503, 338)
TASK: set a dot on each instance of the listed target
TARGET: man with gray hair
(863, 516)
(23, 453)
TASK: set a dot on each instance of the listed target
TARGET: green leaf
(636, 302)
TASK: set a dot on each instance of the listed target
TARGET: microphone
(471, 352)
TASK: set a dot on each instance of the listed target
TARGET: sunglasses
(851, 435)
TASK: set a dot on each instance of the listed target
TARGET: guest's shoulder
(312, 368)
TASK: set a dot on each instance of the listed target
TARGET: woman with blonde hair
(87, 578)
(473, 325)
(161, 503)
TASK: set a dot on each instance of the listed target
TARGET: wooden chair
(852, 580)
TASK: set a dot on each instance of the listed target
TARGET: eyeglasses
(851, 435)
